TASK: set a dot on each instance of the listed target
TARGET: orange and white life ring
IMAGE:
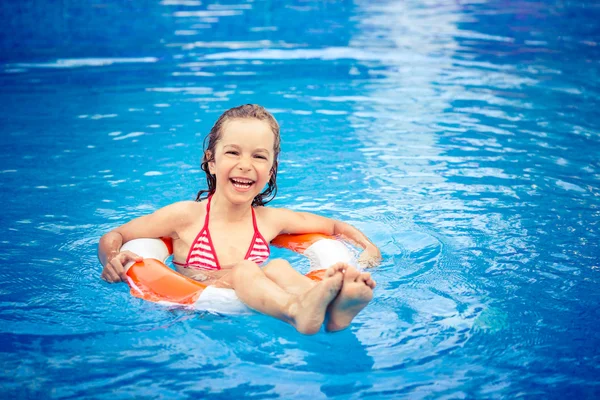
(152, 280)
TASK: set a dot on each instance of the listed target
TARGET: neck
(225, 210)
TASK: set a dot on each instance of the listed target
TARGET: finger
(111, 276)
(131, 256)
(118, 272)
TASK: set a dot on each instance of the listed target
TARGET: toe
(334, 269)
(372, 283)
(339, 267)
(367, 280)
(352, 274)
(364, 277)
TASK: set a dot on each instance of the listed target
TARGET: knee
(243, 269)
(276, 266)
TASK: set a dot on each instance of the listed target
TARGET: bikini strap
(202, 230)
(207, 212)
(254, 222)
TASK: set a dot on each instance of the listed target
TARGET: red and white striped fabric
(259, 249)
(202, 253)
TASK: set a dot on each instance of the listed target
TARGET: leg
(306, 312)
(356, 293)
(284, 275)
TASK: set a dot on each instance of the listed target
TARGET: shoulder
(181, 207)
(186, 206)
(166, 221)
(182, 211)
(282, 220)
(272, 216)
(288, 221)
(273, 213)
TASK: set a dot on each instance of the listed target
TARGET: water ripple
(87, 62)
(461, 137)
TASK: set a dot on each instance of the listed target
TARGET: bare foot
(356, 293)
(308, 310)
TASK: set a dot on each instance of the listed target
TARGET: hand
(369, 258)
(114, 270)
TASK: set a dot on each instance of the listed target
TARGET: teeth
(241, 183)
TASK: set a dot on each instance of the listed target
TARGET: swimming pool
(461, 137)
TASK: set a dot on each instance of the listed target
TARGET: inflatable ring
(152, 280)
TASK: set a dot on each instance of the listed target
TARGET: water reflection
(455, 134)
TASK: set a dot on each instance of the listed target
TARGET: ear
(208, 157)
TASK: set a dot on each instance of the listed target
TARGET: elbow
(337, 228)
(109, 242)
(109, 237)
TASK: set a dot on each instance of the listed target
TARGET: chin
(241, 198)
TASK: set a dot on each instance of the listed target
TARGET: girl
(223, 236)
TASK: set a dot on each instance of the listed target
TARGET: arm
(162, 223)
(371, 256)
(303, 222)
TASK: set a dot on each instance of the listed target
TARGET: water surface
(461, 137)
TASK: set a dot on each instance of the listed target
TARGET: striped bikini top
(202, 253)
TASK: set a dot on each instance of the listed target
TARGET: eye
(232, 152)
(260, 156)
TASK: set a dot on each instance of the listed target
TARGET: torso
(230, 241)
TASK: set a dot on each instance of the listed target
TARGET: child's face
(243, 158)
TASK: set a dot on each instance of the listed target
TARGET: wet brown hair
(247, 111)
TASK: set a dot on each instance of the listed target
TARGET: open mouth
(241, 183)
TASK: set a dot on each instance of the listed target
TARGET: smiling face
(243, 159)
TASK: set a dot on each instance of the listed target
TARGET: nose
(244, 164)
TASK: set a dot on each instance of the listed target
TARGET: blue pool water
(462, 137)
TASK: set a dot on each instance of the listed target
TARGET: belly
(205, 276)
